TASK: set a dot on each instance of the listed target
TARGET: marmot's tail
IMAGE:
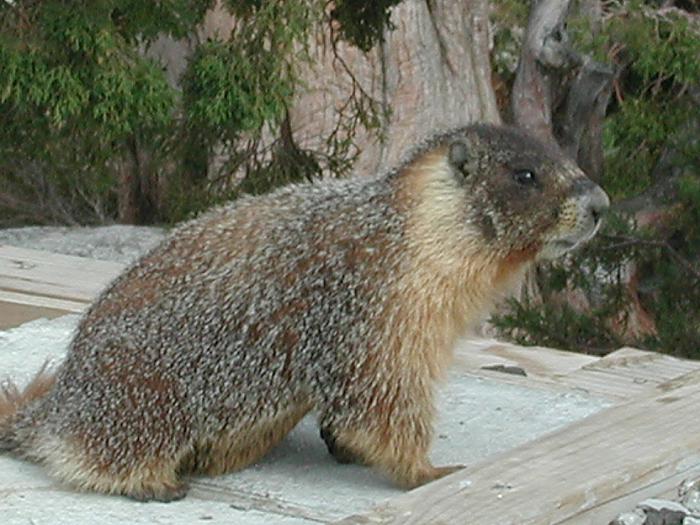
(13, 400)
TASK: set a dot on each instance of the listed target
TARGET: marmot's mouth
(576, 239)
(557, 247)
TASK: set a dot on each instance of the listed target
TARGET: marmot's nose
(593, 199)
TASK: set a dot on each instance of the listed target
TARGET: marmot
(342, 296)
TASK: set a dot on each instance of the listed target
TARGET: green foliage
(237, 86)
(579, 298)
(676, 285)
(225, 90)
(658, 45)
(83, 104)
(665, 288)
(74, 70)
(144, 21)
(634, 138)
(634, 273)
(555, 326)
(74, 91)
(363, 23)
(509, 20)
(657, 56)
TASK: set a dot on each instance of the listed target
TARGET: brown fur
(12, 398)
(345, 297)
(231, 451)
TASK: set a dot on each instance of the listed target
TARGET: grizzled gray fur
(340, 296)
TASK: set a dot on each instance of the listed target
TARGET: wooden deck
(646, 443)
(41, 284)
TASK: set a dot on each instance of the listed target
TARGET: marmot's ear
(459, 154)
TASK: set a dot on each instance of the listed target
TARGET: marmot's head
(522, 195)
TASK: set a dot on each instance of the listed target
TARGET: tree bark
(128, 190)
(545, 52)
(568, 113)
(138, 189)
(580, 129)
(432, 70)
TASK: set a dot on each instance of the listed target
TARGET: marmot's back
(343, 296)
(232, 291)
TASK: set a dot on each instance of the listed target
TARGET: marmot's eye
(524, 177)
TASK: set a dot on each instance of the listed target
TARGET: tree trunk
(138, 189)
(432, 71)
(128, 190)
(545, 100)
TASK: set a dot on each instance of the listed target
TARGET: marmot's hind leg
(232, 450)
(159, 489)
(154, 479)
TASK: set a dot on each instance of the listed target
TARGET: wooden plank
(633, 362)
(562, 476)
(537, 362)
(14, 314)
(40, 301)
(628, 373)
(621, 375)
(543, 367)
(666, 488)
(64, 277)
(247, 501)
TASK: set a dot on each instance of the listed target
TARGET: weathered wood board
(585, 473)
(51, 281)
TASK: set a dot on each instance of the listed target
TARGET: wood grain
(37, 284)
(564, 477)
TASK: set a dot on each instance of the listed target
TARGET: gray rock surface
(666, 512)
(108, 243)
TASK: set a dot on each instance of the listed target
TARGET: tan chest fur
(455, 278)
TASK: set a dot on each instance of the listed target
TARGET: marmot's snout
(592, 200)
(581, 216)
